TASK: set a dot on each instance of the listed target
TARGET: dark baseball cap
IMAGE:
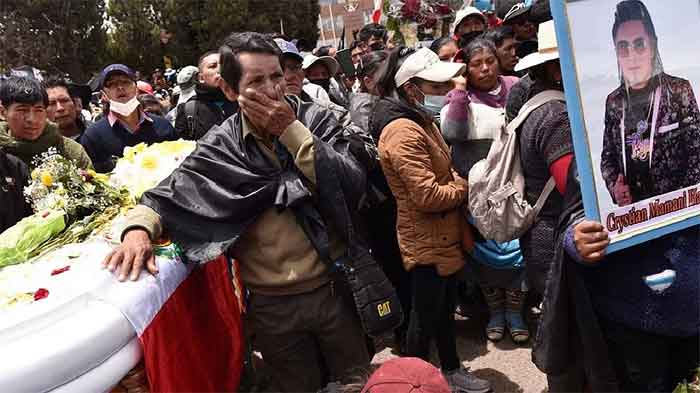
(116, 69)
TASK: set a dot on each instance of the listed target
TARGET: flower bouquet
(692, 387)
(143, 167)
(69, 204)
(425, 13)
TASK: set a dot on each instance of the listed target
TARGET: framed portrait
(631, 74)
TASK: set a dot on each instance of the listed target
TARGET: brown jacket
(429, 195)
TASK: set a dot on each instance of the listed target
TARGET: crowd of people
(291, 146)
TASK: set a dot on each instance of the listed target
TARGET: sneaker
(462, 381)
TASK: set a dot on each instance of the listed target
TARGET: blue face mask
(432, 104)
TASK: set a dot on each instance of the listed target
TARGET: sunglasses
(624, 49)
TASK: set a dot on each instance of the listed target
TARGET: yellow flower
(46, 179)
(149, 161)
(131, 152)
(175, 147)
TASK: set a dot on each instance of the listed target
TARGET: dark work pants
(432, 317)
(381, 236)
(304, 337)
(646, 362)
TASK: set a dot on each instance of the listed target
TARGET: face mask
(124, 109)
(324, 83)
(432, 104)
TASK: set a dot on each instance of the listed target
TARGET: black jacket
(208, 108)
(569, 332)
(14, 176)
(227, 182)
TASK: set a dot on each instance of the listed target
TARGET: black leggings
(432, 317)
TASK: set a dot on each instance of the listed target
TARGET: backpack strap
(532, 104)
(190, 109)
(546, 192)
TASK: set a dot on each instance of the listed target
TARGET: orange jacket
(429, 195)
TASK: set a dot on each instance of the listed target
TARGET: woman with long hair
(430, 202)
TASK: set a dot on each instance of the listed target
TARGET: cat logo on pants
(384, 309)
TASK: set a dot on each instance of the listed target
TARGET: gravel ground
(507, 366)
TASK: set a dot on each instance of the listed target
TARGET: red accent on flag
(195, 341)
(377, 15)
(61, 270)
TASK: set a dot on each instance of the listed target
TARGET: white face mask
(124, 109)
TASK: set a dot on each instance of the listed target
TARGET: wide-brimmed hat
(547, 48)
(426, 64)
(328, 61)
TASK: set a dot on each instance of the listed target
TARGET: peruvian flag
(189, 323)
(377, 14)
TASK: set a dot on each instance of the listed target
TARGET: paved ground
(507, 366)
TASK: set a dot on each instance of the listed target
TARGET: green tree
(197, 26)
(200, 25)
(57, 37)
(134, 33)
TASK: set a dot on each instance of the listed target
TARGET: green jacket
(51, 137)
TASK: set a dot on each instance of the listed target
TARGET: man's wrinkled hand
(135, 252)
(268, 115)
(591, 240)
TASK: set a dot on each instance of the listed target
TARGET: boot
(497, 322)
(519, 332)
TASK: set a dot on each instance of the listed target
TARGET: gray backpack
(497, 186)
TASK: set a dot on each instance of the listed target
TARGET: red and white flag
(189, 323)
(377, 14)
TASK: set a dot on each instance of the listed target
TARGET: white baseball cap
(464, 13)
(426, 64)
(187, 75)
(330, 63)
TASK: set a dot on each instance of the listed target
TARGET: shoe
(519, 332)
(462, 381)
(515, 300)
(497, 326)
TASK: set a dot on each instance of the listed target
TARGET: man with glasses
(651, 143)
(126, 124)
